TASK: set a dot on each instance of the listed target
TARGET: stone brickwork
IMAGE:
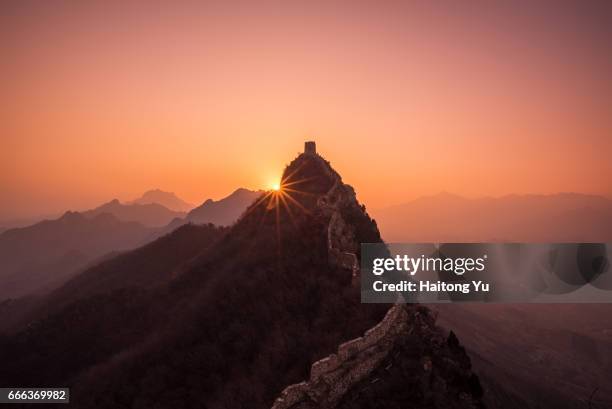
(341, 243)
(331, 376)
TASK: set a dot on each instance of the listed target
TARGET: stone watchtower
(310, 148)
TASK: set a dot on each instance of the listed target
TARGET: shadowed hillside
(36, 257)
(247, 318)
(516, 346)
(146, 267)
(225, 211)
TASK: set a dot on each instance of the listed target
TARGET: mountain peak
(156, 191)
(309, 175)
(71, 216)
(240, 192)
(224, 211)
(149, 214)
(313, 208)
(167, 199)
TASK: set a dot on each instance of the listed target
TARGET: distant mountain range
(24, 221)
(225, 211)
(147, 211)
(166, 199)
(564, 217)
(160, 208)
(150, 214)
(222, 212)
(148, 266)
(42, 256)
(35, 257)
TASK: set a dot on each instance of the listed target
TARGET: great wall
(404, 348)
(341, 243)
(333, 375)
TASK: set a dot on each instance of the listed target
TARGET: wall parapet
(391, 322)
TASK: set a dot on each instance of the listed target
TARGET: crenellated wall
(333, 375)
(328, 371)
(341, 243)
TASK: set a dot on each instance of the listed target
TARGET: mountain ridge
(564, 217)
(167, 199)
(150, 214)
(224, 211)
(34, 256)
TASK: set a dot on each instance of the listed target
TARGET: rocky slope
(404, 361)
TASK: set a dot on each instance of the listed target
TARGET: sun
(276, 186)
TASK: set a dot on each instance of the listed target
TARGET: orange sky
(102, 101)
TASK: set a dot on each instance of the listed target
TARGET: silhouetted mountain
(166, 199)
(152, 214)
(243, 319)
(246, 318)
(225, 211)
(153, 264)
(24, 221)
(35, 257)
(15, 311)
(565, 217)
(31, 266)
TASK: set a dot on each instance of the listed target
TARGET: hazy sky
(404, 98)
